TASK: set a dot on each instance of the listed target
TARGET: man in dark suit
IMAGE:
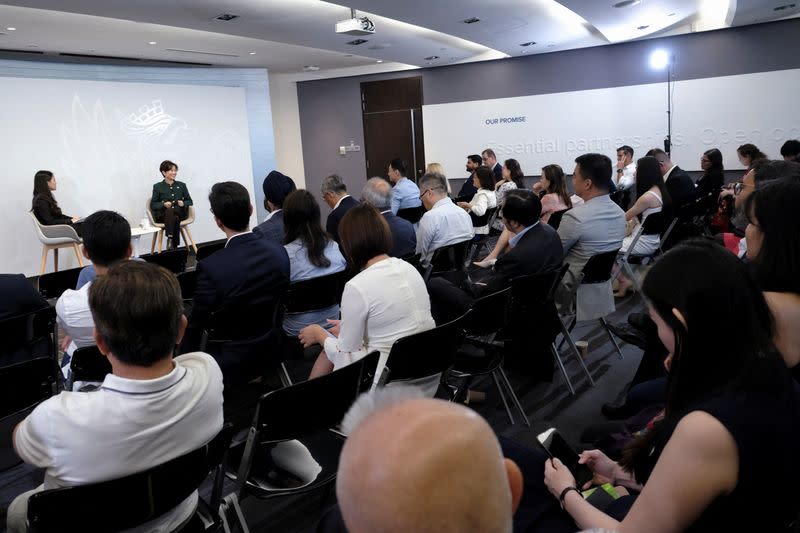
(679, 185)
(378, 193)
(469, 189)
(244, 282)
(18, 296)
(490, 160)
(276, 188)
(334, 192)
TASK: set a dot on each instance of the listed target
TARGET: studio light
(659, 59)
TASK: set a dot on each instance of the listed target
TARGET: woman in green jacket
(170, 203)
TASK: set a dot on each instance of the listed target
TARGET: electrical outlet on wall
(342, 150)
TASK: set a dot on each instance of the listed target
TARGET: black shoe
(616, 412)
(629, 334)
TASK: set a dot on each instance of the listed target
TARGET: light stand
(668, 140)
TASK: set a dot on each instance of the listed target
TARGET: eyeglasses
(423, 193)
(739, 186)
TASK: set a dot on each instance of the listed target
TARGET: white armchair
(55, 237)
(185, 231)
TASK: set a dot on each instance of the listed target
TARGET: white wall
(286, 127)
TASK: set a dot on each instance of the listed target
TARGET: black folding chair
(172, 260)
(54, 284)
(425, 354)
(299, 416)
(660, 224)
(127, 502)
(450, 259)
(487, 219)
(22, 387)
(188, 283)
(29, 335)
(555, 218)
(88, 365)
(208, 248)
(412, 214)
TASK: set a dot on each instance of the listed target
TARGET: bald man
(418, 464)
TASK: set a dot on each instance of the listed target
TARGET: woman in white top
(484, 199)
(385, 301)
(512, 179)
(652, 197)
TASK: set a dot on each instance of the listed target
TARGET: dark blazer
(332, 224)
(48, 213)
(681, 189)
(18, 296)
(498, 172)
(404, 238)
(245, 279)
(169, 193)
(539, 250)
(467, 191)
(271, 229)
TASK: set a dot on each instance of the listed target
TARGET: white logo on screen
(151, 123)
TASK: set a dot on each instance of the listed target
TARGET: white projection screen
(722, 112)
(104, 141)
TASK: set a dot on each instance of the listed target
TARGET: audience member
(625, 176)
(790, 151)
(773, 248)
(457, 481)
(444, 223)
(106, 241)
(511, 179)
(594, 227)
(469, 189)
(489, 159)
(378, 193)
(749, 155)
(334, 193)
(484, 199)
(244, 281)
(19, 296)
(276, 188)
(679, 185)
(312, 253)
(710, 183)
(404, 192)
(44, 205)
(385, 301)
(437, 168)
(151, 408)
(651, 197)
(731, 412)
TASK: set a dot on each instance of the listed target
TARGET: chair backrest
(412, 214)
(488, 314)
(598, 268)
(46, 234)
(426, 353)
(315, 293)
(208, 248)
(25, 332)
(172, 260)
(316, 404)
(127, 502)
(486, 218)
(54, 284)
(88, 364)
(555, 218)
(532, 303)
(657, 223)
(188, 283)
(150, 212)
(451, 257)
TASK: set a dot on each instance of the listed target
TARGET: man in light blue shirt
(445, 223)
(404, 194)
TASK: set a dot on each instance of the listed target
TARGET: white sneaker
(486, 263)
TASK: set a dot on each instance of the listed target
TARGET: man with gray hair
(457, 481)
(378, 193)
(445, 223)
(334, 193)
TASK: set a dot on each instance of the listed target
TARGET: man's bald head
(424, 465)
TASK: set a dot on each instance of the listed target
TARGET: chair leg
(568, 331)
(286, 380)
(153, 245)
(610, 336)
(577, 354)
(502, 397)
(78, 254)
(513, 396)
(231, 503)
(561, 367)
(44, 260)
(160, 240)
(55, 259)
(190, 239)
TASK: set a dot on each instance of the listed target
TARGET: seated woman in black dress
(724, 457)
(44, 205)
(170, 203)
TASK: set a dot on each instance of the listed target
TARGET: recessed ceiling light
(226, 17)
(310, 68)
(11, 29)
(152, 42)
(643, 27)
(529, 43)
(356, 42)
(431, 58)
(779, 8)
(471, 20)
(627, 3)
(379, 61)
(252, 53)
(522, 51)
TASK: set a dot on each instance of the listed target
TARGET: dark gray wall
(330, 110)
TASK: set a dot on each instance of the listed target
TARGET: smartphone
(555, 446)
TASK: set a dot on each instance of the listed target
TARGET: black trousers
(171, 217)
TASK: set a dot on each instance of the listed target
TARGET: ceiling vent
(530, 43)
(627, 3)
(225, 17)
(431, 58)
(472, 20)
(356, 42)
(310, 68)
(201, 52)
(784, 7)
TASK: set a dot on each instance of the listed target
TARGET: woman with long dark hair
(723, 458)
(312, 253)
(170, 202)
(511, 179)
(711, 182)
(44, 205)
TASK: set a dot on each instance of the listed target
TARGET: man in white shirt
(625, 176)
(150, 409)
(444, 223)
(106, 240)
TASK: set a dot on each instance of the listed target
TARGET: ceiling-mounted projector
(355, 26)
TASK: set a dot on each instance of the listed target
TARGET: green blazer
(169, 193)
